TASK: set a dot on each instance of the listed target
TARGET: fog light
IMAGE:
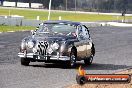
(55, 46)
(50, 51)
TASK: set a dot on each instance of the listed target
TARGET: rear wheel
(93, 49)
(25, 61)
(88, 61)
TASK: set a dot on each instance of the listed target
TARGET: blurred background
(80, 5)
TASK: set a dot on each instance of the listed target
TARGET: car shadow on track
(98, 66)
(94, 66)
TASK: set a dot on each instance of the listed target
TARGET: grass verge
(15, 28)
(32, 14)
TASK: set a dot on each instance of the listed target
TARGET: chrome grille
(43, 45)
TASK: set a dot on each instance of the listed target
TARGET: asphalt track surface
(113, 53)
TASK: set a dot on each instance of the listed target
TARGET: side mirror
(33, 32)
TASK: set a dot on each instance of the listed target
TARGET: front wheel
(72, 61)
(88, 61)
(24, 61)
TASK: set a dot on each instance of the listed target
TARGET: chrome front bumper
(38, 57)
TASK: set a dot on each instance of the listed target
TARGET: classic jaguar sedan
(58, 41)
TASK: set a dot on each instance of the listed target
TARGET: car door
(88, 40)
(82, 43)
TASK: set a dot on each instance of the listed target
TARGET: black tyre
(72, 61)
(80, 80)
(88, 61)
(93, 49)
(25, 61)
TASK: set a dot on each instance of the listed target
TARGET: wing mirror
(33, 32)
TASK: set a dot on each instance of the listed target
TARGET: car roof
(62, 21)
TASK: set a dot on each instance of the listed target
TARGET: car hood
(53, 38)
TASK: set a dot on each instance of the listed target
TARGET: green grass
(32, 14)
(15, 28)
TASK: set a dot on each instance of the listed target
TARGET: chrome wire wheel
(72, 60)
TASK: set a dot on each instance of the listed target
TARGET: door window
(86, 34)
(83, 32)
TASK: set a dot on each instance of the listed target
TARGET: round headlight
(55, 46)
(30, 44)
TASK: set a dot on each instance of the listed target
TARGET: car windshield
(56, 28)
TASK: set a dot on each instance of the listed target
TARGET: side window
(80, 32)
(86, 34)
